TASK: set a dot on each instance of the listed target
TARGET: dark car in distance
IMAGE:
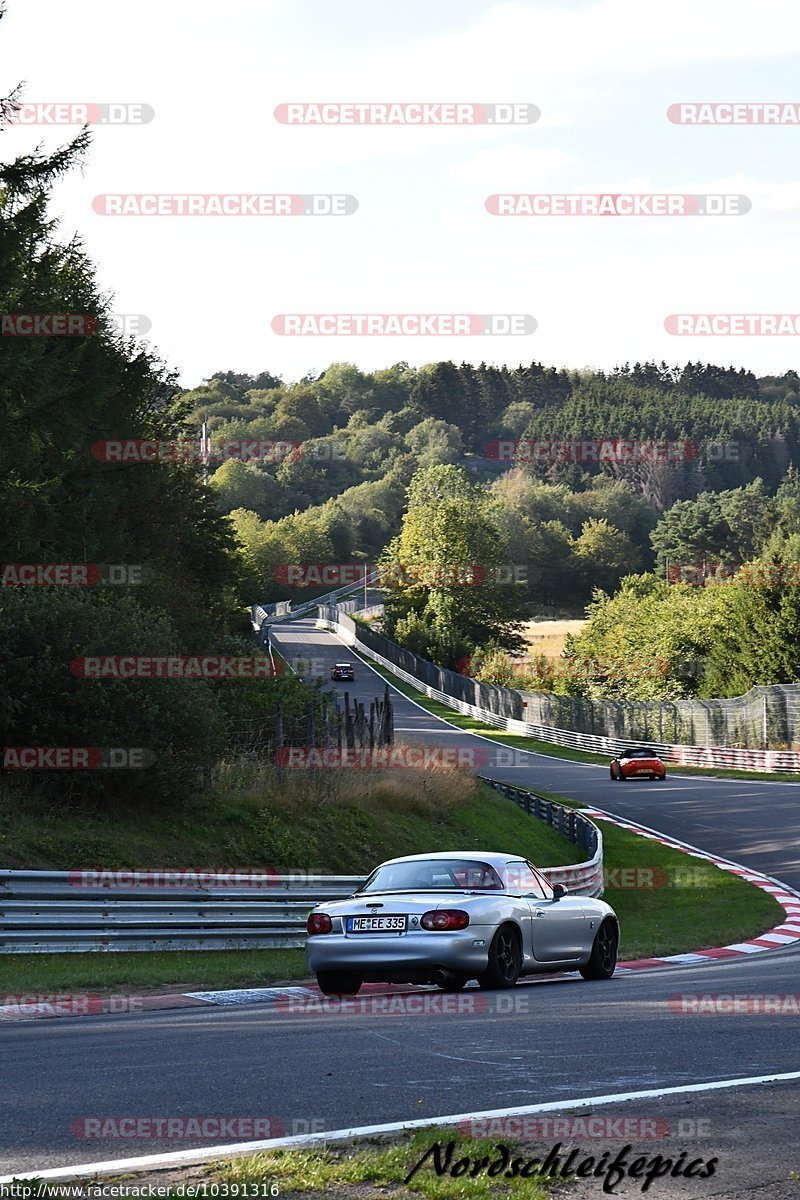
(342, 671)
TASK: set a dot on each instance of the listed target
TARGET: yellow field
(547, 637)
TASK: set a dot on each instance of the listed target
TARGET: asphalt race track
(751, 822)
(547, 1041)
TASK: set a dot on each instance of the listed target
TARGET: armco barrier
(357, 606)
(61, 911)
(582, 879)
(365, 640)
(58, 911)
(265, 614)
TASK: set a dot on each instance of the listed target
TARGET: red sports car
(636, 763)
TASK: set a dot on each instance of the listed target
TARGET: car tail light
(445, 919)
(319, 923)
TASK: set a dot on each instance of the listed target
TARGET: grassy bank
(159, 972)
(368, 1169)
(331, 821)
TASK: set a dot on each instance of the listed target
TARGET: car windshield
(443, 874)
(639, 754)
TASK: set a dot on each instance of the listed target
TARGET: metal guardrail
(724, 757)
(266, 614)
(58, 911)
(357, 607)
(49, 912)
(582, 879)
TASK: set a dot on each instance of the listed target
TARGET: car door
(558, 928)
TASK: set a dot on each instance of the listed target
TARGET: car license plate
(376, 924)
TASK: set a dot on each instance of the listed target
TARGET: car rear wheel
(505, 960)
(338, 983)
(603, 959)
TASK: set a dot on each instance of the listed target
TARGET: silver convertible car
(448, 918)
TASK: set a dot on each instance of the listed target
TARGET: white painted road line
(184, 1158)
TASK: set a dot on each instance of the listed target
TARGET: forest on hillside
(442, 465)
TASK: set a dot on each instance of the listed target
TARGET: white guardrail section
(261, 614)
(51, 912)
(688, 756)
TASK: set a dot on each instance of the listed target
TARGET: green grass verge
(367, 1169)
(535, 745)
(247, 829)
(159, 971)
(369, 1172)
(692, 906)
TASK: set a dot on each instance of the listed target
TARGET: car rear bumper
(416, 952)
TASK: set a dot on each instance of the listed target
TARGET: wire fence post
(349, 730)
(279, 741)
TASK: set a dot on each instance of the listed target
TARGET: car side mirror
(559, 890)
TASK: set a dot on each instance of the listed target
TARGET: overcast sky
(603, 75)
